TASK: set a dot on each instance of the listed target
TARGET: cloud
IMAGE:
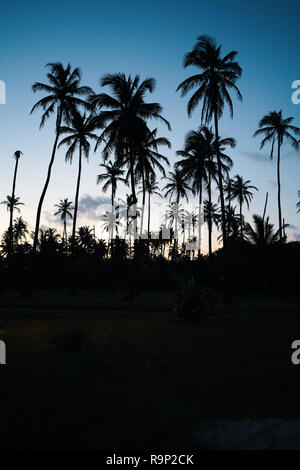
(257, 156)
(92, 207)
(297, 236)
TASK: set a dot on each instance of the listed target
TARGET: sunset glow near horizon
(151, 42)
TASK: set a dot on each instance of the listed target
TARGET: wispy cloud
(257, 156)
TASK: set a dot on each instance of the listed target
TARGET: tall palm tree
(64, 208)
(124, 119)
(274, 127)
(298, 203)
(218, 75)
(177, 186)
(151, 188)
(80, 131)
(241, 191)
(64, 85)
(17, 156)
(148, 159)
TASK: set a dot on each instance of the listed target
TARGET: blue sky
(149, 39)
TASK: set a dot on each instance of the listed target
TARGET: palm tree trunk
(39, 210)
(199, 220)
(149, 208)
(220, 184)
(241, 218)
(209, 216)
(113, 223)
(65, 231)
(143, 204)
(278, 192)
(76, 197)
(10, 246)
(226, 293)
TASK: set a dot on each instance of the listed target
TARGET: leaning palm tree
(298, 203)
(79, 132)
(17, 156)
(64, 208)
(218, 75)
(241, 191)
(64, 85)
(274, 127)
(124, 120)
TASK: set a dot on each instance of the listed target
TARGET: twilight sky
(149, 39)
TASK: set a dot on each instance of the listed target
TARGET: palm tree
(80, 132)
(178, 187)
(151, 188)
(263, 233)
(20, 229)
(218, 75)
(274, 127)
(64, 208)
(12, 203)
(113, 174)
(148, 159)
(241, 191)
(61, 97)
(17, 156)
(124, 120)
(298, 203)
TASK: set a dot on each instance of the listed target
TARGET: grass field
(96, 372)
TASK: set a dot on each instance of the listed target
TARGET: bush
(192, 301)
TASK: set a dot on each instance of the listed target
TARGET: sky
(149, 39)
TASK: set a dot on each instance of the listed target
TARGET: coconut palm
(12, 203)
(64, 208)
(64, 85)
(17, 156)
(298, 203)
(276, 128)
(124, 119)
(20, 230)
(262, 234)
(241, 191)
(113, 174)
(80, 131)
(151, 188)
(218, 76)
(177, 187)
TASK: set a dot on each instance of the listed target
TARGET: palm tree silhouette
(20, 230)
(218, 75)
(177, 186)
(61, 97)
(64, 208)
(12, 203)
(151, 188)
(148, 159)
(124, 121)
(17, 156)
(80, 132)
(113, 174)
(298, 203)
(262, 234)
(274, 127)
(241, 191)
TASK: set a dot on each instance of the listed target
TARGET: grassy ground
(96, 372)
